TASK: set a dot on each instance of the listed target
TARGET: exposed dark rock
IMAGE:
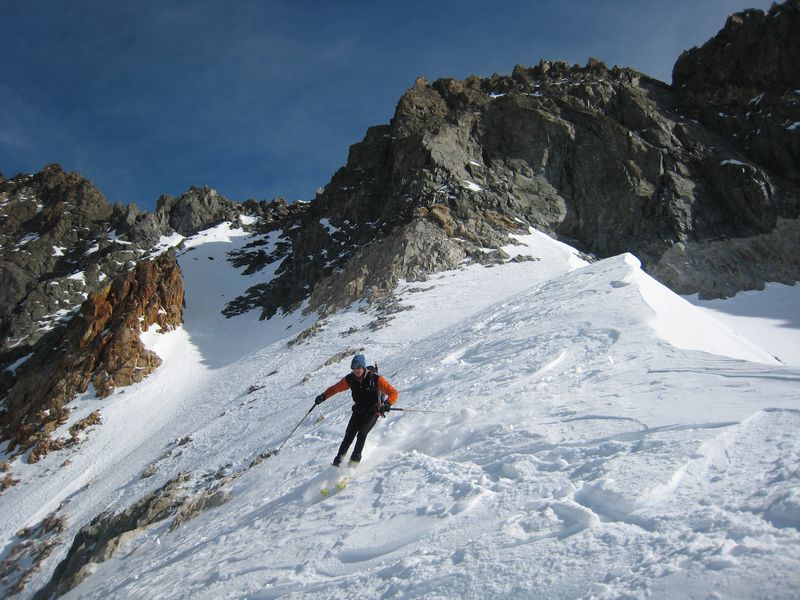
(209, 499)
(30, 547)
(745, 261)
(745, 85)
(7, 480)
(413, 252)
(180, 499)
(197, 209)
(101, 539)
(60, 241)
(606, 159)
(141, 229)
(342, 355)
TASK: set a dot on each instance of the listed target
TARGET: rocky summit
(699, 179)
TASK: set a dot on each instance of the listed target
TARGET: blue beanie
(359, 361)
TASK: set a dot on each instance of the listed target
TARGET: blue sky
(260, 99)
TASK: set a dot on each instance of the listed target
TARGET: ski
(338, 486)
(338, 483)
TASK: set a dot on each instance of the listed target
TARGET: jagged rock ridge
(608, 159)
(743, 83)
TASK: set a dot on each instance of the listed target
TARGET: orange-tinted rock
(101, 345)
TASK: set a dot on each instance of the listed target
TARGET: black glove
(384, 408)
(319, 399)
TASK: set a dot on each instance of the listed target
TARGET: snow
(471, 185)
(793, 126)
(770, 318)
(25, 240)
(17, 364)
(325, 222)
(675, 322)
(603, 438)
(166, 242)
(113, 236)
(737, 163)
(210, 283)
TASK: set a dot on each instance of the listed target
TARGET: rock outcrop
(181, 499)
(198, 208)
(99, 346)
(81, 280)
(744, 85)
(101, 539)
(609, 160)
(57, 239)
(29, 550)
(60, 240)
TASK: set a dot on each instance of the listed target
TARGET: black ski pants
(359, 426)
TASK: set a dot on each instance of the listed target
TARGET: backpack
(373, 370)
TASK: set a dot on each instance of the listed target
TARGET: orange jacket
(381, 383)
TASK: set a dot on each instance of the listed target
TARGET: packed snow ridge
(598, 437)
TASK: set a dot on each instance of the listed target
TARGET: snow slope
(771, 318)
(601, 438)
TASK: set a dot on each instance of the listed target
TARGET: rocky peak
(100, 345)
(77, 289)
(603, 158)
(744, 84)
(60, 240)
(753, 52)
(196, 209)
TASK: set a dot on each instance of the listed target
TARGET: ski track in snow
(582, 454)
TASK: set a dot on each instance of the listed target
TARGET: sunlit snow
(602, 438)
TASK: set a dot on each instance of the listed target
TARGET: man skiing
(367, 388)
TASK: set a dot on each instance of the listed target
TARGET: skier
(367, 388)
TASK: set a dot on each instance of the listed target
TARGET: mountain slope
(582, 454)
(697, 179)
(596, 435)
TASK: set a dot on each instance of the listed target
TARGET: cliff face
(743, 85)
(100, 346)
(699, 179)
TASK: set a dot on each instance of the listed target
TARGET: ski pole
(291, 433)
(419, 410)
